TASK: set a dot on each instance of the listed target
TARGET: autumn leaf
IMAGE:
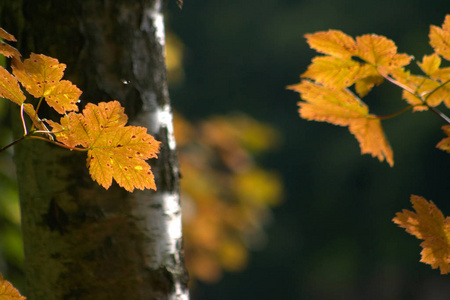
(8, 291)
(115, 151)
(9, 87)
(430, 64)
(363, 62)
(332, 42)
(440, 38)
(444, 144)
(380, 52)
(343, 108)
(333, 71)
(6, 36)
(6, 49)
(428, 224)
(9, 51)
(41, 76)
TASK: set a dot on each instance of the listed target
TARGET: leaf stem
(24, 125)
(384, 117)
(36, 111)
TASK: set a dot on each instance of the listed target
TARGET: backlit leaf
(41, 76)
(115, 151)
(63, 96)
(334, 106)
(341, 107)
(371, 138)
(444, 144)
(428, 224)
(430, 63)
(333, 71)
(332, 42)
(6, 36)
(39, 73)
(369, 77)
(8, 291)
(9, 87)
(8, 50)
(440, 38)
(380, 52)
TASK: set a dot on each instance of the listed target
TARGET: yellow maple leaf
(333, 71)
(41, 76)
(430, 64)
(332, 42)
(440, 38)
(428, 224)
(8, 291)
(115, 151)
(368, 78)
(380, 52)
(341, 107)
(9, 87)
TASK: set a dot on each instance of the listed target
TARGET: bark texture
(81, 241)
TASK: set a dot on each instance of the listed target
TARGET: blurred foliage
(226, 196)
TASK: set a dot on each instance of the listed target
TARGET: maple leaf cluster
(115, 150)
(334, 83)
(332, 88)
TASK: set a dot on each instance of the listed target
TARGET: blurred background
(276, 207)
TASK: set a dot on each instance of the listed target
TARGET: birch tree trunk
(81, 241)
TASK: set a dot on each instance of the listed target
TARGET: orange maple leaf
(341, 107)
(8, 291)
(380, 52)
(440, 38)
(115, 151)
(41, 76)
(6, 49)
(9, 87)
(444, 144)
(428, 224)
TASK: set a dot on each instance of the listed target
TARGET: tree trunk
(81, 241)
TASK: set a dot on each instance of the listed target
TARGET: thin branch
(57, 143)
(424, 101)
(13, 143)
(440, 114)
(384, 117)
(398, 83)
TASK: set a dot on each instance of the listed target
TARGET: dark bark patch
(56, 218)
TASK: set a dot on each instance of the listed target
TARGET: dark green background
(333, 237)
